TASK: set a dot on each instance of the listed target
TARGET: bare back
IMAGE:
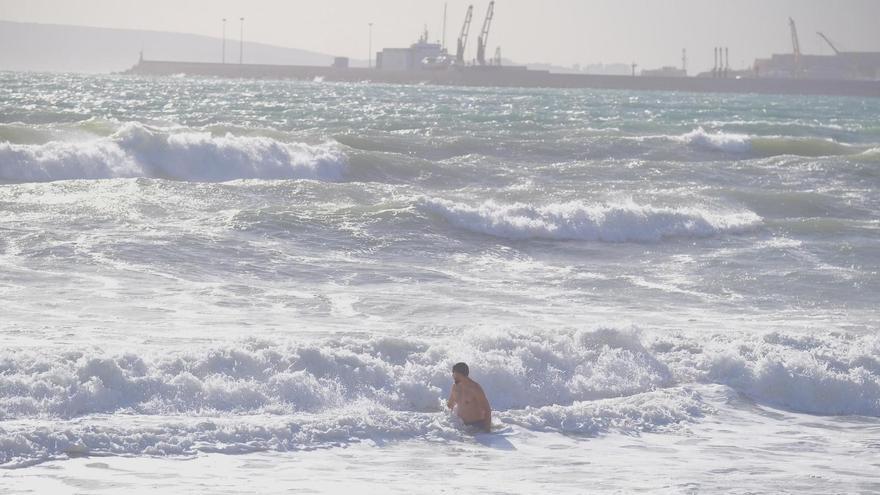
(470, 403)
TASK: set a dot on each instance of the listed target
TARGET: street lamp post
(370, 46)
(223, 56)
(241, 43)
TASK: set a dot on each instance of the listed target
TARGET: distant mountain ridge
(64, 48)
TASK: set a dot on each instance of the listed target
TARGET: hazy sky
(649, 32)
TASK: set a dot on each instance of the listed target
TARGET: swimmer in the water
(468, 400)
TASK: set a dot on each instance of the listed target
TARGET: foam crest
(24, 444)
(834, 374)
(718, 141)
(396, 373)
(871, 155)
(765, 146)
(826, 377)
(266, 396)
(614, 222)
(138, 151)
(649, 412)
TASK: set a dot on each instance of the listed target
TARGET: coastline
(494, 76)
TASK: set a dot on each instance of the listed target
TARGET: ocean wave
(268, 396)
(401, 374)
(765, 146)
(652, 411)
(363, 420)
(872, 155)
(719, 141)
(607, 222)
(836, 374)
(807, 147)
(24, 134)
(262, 396)
(519, 369)
(140, 151)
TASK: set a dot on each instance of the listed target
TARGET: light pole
(370, 46)
(241, 43)
(223, 57)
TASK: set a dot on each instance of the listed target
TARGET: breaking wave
(267, 396)
(872, 154)
(360, 421)
(401, 374)
(622, 222)
(765, 146)
(139, 151)
(261, 396)
(719, 141)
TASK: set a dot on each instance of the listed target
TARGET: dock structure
(424, 62)
(500, 76)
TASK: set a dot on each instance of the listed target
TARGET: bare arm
(450, 403)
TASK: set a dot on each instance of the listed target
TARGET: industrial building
(841, 65)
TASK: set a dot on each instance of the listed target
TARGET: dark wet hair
(461, 368)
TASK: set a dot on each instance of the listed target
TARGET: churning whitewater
(209, 267)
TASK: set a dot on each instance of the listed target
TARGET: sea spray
(139, 151)
(607, 222)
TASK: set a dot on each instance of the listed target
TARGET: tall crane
(796, 45)
(833, 48)
(484, 34)
(463, 37)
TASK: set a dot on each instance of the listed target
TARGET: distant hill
(59, 48)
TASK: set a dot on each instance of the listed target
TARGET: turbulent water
(202, 266)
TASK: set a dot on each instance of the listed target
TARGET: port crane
(484, 34)
(796, 45)
(463, 37)
(833, 48)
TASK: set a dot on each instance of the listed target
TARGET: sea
(239, 286)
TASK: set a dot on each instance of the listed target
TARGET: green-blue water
(301, 262)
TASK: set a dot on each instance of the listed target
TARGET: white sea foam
(835, 376)
(608, 222)
(397, 373)
(369, 283)
(139, 151)
(23, 444)
(764, 145)
(300, 396)
(652, 411)
(718, 141)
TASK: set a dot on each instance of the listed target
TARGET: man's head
(460, 371)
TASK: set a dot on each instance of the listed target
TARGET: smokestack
(715, 68)
(726, 60)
